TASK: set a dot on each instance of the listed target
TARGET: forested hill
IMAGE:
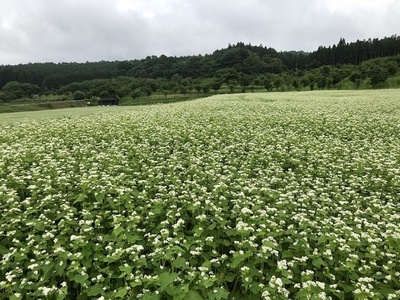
(228, 63)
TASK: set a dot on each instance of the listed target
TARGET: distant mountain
(241, 58)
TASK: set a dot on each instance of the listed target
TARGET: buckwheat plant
(261, 196)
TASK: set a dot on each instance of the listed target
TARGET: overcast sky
(94, 30)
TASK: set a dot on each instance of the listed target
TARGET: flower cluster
(262, 196)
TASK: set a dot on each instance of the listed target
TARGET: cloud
(93, 30)
(82, 30)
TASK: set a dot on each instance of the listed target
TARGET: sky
(93, 30)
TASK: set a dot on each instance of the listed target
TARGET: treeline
(355, 52)
(49, 76)
(243, 66)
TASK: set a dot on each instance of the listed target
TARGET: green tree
(216, 84)
(188, 83)
(227, 75)
(206, 88)
(8, 96)
(268, 82)
(244, 81)
(379, 76)
(296, 84)
(136, 93)
(30, 89)
(232, 84)
(166, 89)
(123, 91)
(198, 87)
(79, 95)
(304, 81)
(147, 90)
(183, 89)
(15, 90)
(311, 79)
(104, 94)
(356, 77)
(336, 76)
(176, 79)
(278, 82)
(321, 82)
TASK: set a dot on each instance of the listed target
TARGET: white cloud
(92, 30)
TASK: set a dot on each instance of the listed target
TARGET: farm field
(245, 196)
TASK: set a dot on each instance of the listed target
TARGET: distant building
(108, 101)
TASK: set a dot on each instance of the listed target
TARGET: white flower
(246, 211)
(33, 266)
(282, 265)
(265, 295)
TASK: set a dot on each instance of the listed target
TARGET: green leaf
(60, 269)
(95, 290)
(180, 292)
(350, 265)
(230, 277)
(121, 292)
(39, 226)
(165, 279)
(111, 259)
(207, 283)
(141, 262)
(126, 270)
(151, 296)
(354, 276)
(386, 291)
(226, 243)
(269, 244)
(80, 198)
(180, 263)
(118, 230)
(317, 262)
(322, 239)
(193, 295)
(176, 249)
(80, 278)
(286, 274)
(230, 232)
(211, 227)
(339, 295)
(255, 288)
(221, 293)
(239, 258)
(47, 267)
(62, 294)
(99, 197)
(347, 288)
(303, 294)
(135, 283)
(3, 250)
(362, 295)
(87, 262)
(132, 238)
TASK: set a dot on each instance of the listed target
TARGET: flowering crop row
(230, 197)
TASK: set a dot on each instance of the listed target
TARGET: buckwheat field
(251, 196)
